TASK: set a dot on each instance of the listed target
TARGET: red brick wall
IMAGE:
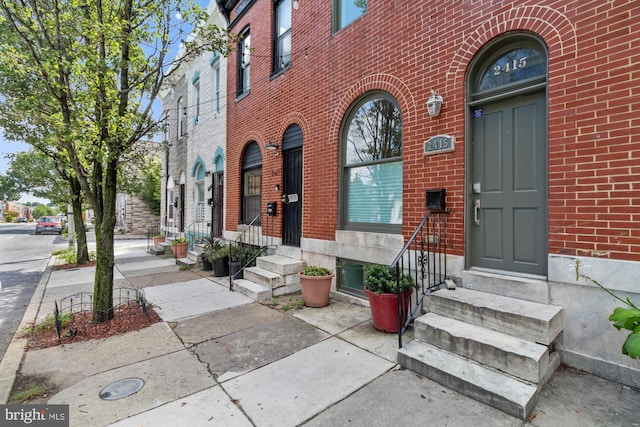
(410, 48)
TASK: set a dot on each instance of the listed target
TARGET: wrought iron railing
(198, 233)
(424, 257)
(152, 231)
(252, 242)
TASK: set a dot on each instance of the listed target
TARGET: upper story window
(165, 128)
(182, 118)
(215, 84)
(282, 35)
(196, 90)
(347, 11)
(371, 181)
(244, 62)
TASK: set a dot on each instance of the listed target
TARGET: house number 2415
(516, 64)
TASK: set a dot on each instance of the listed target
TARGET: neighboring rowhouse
(537, 148)
(195, 132)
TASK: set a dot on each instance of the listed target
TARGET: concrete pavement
(219, 358)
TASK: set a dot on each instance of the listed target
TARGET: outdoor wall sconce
(434, 104)
(270, 146)
(296, 5)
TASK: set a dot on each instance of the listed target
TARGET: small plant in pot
(208, 253)
(179, 246)
(315, 284)
(158, 239)
(219, 259)
(381, 286)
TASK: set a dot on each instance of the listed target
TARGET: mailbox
(272, 208)
(436, 199)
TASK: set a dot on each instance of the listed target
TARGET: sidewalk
(219, 358)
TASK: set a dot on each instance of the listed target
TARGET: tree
(42, 210)
(8, 190)
(94, 69)
(149, 189)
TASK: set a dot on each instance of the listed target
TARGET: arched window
(199, 196)
(251, 182)
(371, 181)
(514, 63)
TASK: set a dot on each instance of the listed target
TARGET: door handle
(476, 211)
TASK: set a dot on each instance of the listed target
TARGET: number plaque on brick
(439, 144)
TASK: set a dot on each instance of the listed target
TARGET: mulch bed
(127, 317)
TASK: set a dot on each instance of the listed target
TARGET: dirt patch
(80, 327)
(71, 266)
(32, 389)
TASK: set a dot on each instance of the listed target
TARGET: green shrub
(314, 270)
(382, 280)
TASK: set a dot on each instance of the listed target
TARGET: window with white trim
(371, 165)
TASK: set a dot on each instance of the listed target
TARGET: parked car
(49, 224)
(22, 219)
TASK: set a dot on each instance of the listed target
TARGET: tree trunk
(82, 250)
(105, 221)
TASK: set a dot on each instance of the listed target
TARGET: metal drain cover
(121, 389)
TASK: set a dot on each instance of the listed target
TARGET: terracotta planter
(180, 249)
(315, 289)
(384, 310)
(158, 240)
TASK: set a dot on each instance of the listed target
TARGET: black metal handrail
(253, 240)
(424, 257)
(198, 232)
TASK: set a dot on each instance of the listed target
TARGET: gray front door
(509, 190)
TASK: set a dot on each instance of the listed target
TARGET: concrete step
(528, 320)
(517, 357)
(194, 256)
(251, 289)
(280, 264)
(156, 250)
(188, 263)
(485, 385)
(530, 288)
(264, 277)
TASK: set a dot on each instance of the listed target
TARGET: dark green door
(509, 188)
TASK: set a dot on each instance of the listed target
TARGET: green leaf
(632, 345)
(625, 318)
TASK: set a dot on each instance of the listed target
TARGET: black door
(292, 186)
(218, 204)
(292, 206)
(182, 192)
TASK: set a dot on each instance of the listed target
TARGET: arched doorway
(251, 183)
(292, 186)
(507, 157)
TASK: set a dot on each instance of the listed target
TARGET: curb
(12, 360)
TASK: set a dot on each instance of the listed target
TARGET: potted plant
(315, 283)
(158, 239)
(241, 256)
(179, 247)
(381, 286)
(219, 259)
(208, 253)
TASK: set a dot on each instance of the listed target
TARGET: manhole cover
(121, 389)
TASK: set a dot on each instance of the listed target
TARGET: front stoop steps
(495, 349)
(273, 275)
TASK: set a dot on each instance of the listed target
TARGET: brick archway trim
(385, 82)
(553, 26)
